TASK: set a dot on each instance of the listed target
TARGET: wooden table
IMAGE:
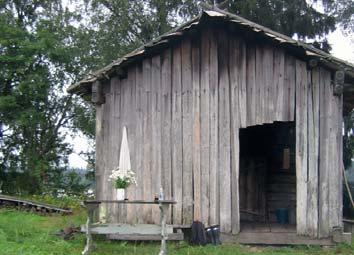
(92, 205)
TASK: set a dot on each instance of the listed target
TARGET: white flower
(119, 175)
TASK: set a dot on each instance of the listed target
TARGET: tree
(35, 63)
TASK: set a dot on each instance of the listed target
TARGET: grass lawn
(23, 233)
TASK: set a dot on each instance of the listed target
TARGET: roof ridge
(215, 12)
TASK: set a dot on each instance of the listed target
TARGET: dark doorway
(267, 181)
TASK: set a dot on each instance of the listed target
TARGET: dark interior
(267, 180)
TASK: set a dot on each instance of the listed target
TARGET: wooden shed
(235, 121)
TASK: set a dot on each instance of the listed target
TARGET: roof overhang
(300, 49)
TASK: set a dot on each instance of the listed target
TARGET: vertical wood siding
(183, 109)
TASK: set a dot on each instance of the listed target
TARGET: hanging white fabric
(124, 157)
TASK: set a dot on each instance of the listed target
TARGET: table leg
(163, 211)
(89, 221)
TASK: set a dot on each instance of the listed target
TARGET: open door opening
(267, 181)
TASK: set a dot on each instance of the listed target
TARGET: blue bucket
(282, 215)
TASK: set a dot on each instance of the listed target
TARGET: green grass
(23, 233)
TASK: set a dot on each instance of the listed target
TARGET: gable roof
(303, 49)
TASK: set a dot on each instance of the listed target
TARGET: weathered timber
(156, 131)
(224, 135)
(214, 204)
(166, 140)
(187, 128)
(205, 125)
(146, 141)
(313, 133)
(196, 147)
(324, 155)
(301, 147)
(25, 203)
(177, 153)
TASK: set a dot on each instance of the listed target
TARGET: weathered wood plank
(275, 238)
(224, 135)
(177, 154)
(156, 130)
(335, 171)
(204, 126)
(131, 135)
(107, 188)
(196, 129)
(187, 130)
(115, 138)
(139, 151)
(238, 117)
(166, 120)
(324, 154)
(289, 89)
(99, 168)
(268, 101)
(242, 95)
(147, 137)
(279, 84)
(260, 88)
(251, 85)
(214, 98)
(313, 133)
(301, 147)
(124, 122)
(340, 159)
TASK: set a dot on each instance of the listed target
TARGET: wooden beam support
(338, 87)
(97, 96)
(312, 63)
(121, 72)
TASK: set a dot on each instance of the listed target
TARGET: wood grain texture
(166, 120)
(132, 142)
(224, 157)
(187, 132)
(99, 170)
(139, 136)
(324, 154)
(269, 90)
(238, 117)
(156, 167)
(301, 147)
(251, 85)
(177, 153)
(335, 171)
(147, 137)
(214, 129)
(260, 97)
(289, 89)
(204, 126)
(279, 85)
(313, 157)
(115, 120)
(196, 130)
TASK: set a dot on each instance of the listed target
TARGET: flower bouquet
(121, 179)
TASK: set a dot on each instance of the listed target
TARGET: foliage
(348, 140)
(38, 56)
(30, 234)
(343, 11)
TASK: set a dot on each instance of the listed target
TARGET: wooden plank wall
(183, 109)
